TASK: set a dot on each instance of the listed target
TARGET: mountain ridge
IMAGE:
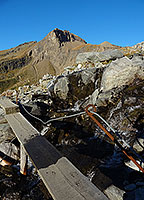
(28, 62)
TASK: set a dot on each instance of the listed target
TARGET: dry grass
(16, 52)
(26, 75)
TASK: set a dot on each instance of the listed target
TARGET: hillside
(28, 62)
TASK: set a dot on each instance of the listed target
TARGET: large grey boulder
(121, 72)
(61, 88)
(99, 56)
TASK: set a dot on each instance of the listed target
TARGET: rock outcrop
(9, 65)
(122, 72)
(57, 48)
(94, 57)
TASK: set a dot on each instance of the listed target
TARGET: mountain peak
(106, 44)
(62, 37)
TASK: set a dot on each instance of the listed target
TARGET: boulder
(6, 133)
(61, 88)
(114, 193)
(123, 108)
(99, 56)
(121, 72)
(139, 145)
(88, 76)
(131, 165)
(9, 149)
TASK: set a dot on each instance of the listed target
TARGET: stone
(92, 98)
(131, 165)
(121, 72)
(99, 65)
(79, 66)
(114, 193)
(61, 88)
(99, 56)
(88, 75)
(139, 148)
(139, 46)
(6, 133)
(35, 110)
(103, 98)
(10, 150)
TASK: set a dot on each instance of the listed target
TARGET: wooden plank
(8, 106)
(65, 174)
(63, 180)
(23, 160)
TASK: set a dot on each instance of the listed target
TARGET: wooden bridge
(62, 179)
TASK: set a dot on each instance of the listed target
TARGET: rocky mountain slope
(28, 62)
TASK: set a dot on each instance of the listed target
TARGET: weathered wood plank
(23, 160)
(8, 106)
(64, 174)
(63, 180)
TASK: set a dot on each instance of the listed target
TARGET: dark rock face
(67, 90)
(66, 36)
(10, 65)
(83, 84)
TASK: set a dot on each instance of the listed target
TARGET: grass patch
(6, 84)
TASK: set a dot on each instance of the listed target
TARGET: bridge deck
(62, 179)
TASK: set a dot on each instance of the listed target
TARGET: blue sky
(118, 22)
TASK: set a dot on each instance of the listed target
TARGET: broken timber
(62, 179)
